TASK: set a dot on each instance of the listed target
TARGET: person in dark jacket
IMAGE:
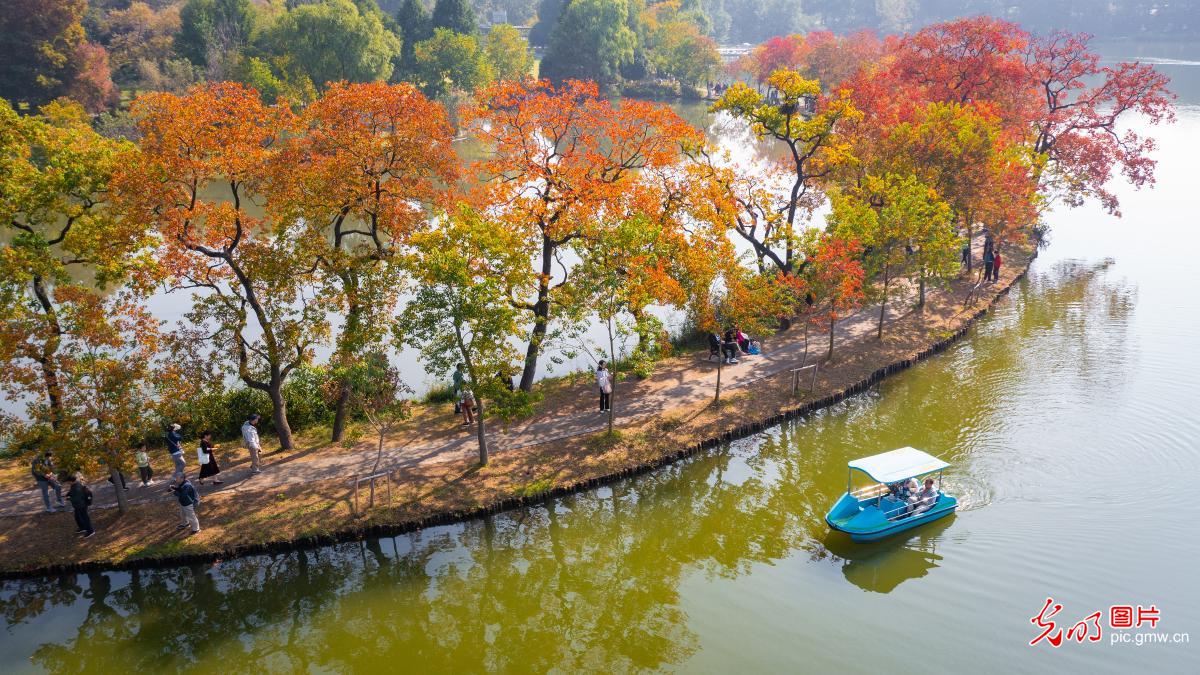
(42, 469)
(208, 460)
(185, 492)
(175, 448)
(989, 259)
(80, 497)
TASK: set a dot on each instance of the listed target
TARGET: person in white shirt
(925, 499)
(604, 382)
(250, 442)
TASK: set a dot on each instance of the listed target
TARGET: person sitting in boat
(904, 490)
(925, 499)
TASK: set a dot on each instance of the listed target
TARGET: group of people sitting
(733, 343)
(916, 499)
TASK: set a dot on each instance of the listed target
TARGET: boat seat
(891, 508)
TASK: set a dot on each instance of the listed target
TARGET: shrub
(440, 393)
(650, 89)
(304, 393)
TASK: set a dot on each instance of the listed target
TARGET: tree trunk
(480, 432)
(970, 242)
(379, 450)
(720, 363)
(339, 411)
(541, 316)
(804, 362)
(115, 476)
(279, 415)
(832, 321)
(883, 304)
(346, 347)
(46, 360)
(612, 380)
(921, 290)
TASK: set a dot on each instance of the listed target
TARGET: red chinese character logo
(1120, 616)
(1081, 630)
(1147, 614)
(1045, 622)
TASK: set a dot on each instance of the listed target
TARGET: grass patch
(163, 549)
(537, 487)
(668, 424)
(604, 441)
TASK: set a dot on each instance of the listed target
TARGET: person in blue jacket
(188, 498)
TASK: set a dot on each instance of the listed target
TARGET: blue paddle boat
(890, 504)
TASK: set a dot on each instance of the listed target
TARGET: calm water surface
(1070, 418)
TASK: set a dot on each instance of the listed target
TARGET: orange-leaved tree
(553, 158)
(977, 59)
(64, 248)
(206, 157)
(835, 276)
(363, 172)
(109, 395)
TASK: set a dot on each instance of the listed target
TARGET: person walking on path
(208, 460)
(989, 261)
(143, 463)
(185, 492)
(966, 253)
(250, 442)
(468, 407)
(459, 377)
(81, 498)
(996, 265)
(604, 382)
(175, 448)
(42, 468)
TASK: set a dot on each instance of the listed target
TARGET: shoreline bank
(723, 427)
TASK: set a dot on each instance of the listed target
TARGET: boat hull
(867, 523)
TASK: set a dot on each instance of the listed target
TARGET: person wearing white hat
(175, 447)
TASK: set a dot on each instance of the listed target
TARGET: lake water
(1070, 416)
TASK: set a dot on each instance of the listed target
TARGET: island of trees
(293, 172)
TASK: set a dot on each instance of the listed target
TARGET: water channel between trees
(1070, 418)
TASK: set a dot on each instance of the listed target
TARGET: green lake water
(1071, 416)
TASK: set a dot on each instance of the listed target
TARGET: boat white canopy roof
(898, 465)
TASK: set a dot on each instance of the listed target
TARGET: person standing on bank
(989, 260)
(81, 498)
(175, 448)
(604, 382)
(208, 460)
(459, 378)
(996, 265)
(185, 492)
(468, 407)
(250, 442)
(143, 464)
(42, 468)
